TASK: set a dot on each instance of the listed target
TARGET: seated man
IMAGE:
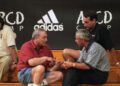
(34, 59)
(91, 65)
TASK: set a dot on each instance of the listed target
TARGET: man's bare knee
(39, 68)
(66, 51)
(60, 75)
(67, 54)
(38, 74)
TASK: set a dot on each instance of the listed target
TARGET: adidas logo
(50, 18)
(49, 22)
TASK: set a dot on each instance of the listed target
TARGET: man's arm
(82, 66)
(13, 54)
(39, 60)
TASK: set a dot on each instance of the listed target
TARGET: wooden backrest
(58, 55)
(114, 57)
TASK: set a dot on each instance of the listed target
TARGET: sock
(44, 82)
(36, 84)
(30, 84)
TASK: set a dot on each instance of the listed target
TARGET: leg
(71, 54)
(76, 76)
(54, 76)
(4, 65)
(92, 76)
(70, 78)
(38, 74)
(32, 75)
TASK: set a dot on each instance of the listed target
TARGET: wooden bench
(113, 80)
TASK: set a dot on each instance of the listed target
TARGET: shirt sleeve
(10, 37)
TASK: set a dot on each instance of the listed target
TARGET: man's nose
(46, 39)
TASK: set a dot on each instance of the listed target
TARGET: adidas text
(49, 27)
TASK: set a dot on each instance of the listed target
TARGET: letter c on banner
(7, 20)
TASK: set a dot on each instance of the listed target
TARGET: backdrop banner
(61, 18)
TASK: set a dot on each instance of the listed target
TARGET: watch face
(93, 36)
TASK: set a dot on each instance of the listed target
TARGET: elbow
(30, 62)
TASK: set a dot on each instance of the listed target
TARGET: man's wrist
(73, 65)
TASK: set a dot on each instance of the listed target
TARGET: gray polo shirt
(95, 56)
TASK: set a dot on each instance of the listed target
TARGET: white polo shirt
(6, 39)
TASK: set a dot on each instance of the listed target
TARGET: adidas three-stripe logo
(48, 18)
(49, 22)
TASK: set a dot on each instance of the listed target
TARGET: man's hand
(48, 61)
(55, 65)
(40, 61)
(12, 67)
(67, 64)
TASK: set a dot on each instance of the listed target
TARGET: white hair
(84, 34)
(36, 32)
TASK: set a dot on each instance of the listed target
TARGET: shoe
(30, 84)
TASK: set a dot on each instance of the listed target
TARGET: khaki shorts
(4, 65)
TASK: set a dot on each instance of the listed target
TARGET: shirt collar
(92, 29)
(89, 44)
(35, 46)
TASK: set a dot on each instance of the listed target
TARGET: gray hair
(36, 32)
(84, 34)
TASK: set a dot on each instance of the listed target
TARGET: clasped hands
(51, 62)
